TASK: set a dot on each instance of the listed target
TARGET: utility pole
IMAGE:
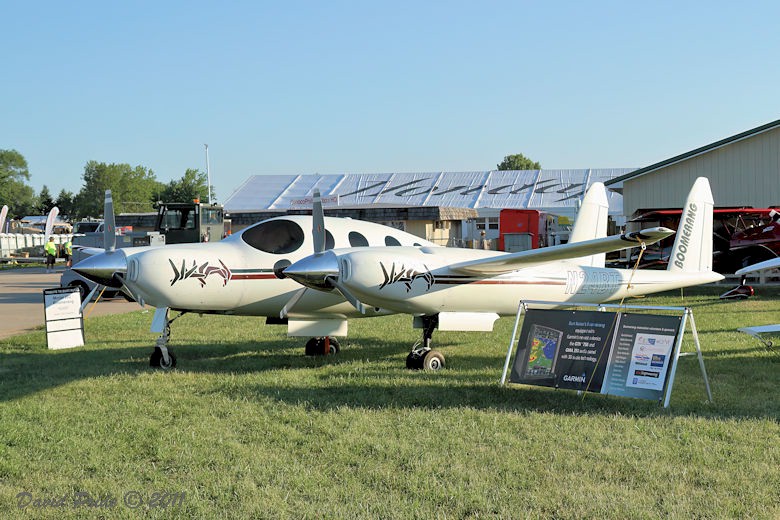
(208, 171)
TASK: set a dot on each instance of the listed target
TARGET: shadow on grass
(371, 374)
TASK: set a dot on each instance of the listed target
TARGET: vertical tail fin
(591, 222)
(692, 251)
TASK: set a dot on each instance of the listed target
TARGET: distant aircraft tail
(591, 222)
(692, 251)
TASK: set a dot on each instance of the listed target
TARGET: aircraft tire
(83, 289)
(316, 347)
(433, 361)
(414, 361)
(156, 360)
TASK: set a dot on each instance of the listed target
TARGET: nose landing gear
(162, 357)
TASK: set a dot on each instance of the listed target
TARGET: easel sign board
(642, 355)
(64, 321)
(563, 349)
(603, 352)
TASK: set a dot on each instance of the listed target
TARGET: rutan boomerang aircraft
(361, 269)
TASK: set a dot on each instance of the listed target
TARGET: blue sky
(341, 87)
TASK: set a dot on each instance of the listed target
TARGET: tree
(132, 189)
(65, 203)
(45, 202)
(19, 197)
(194, 184)
(518, 161)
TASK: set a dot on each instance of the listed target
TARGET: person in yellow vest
(51, 254)
(68, 251)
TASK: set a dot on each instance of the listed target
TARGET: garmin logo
(574, 379)
(685, 237)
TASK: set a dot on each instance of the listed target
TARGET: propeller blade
(347, 295)
(109, 227)
(127, 289)
(291, 303)
(318, 223)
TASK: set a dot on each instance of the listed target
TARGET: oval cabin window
(275, 236)
(357, 240)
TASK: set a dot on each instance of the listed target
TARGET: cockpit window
(329, 242)
(357, 240)
(391, 241)
(275, 236)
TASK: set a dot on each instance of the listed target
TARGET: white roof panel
(530, 189)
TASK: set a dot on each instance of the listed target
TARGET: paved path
(21, 300)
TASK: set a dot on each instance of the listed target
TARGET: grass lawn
(248, 427)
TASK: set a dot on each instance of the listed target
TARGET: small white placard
(64, 321)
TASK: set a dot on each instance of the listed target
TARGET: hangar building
(744, 170)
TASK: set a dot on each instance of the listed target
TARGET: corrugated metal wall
(743, 173)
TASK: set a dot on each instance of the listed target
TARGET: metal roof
(693, 153)
(551, 190)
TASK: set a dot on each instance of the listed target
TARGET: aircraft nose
(101, 268)
(314, 271)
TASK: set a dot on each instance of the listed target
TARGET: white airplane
(457, 289)
(244, 274)
(240, 275)
(757, 331)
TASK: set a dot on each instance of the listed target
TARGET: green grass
(23, 265)
(249, 427)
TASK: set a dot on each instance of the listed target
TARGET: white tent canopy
(556, 191)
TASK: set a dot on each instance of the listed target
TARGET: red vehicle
(524, 229)
(741, 237)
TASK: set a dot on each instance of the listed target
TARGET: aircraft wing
(767, 264)
(514, 261)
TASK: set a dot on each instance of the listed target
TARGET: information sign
(623, 353)
(64, 320)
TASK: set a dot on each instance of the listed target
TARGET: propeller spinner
(321, 270)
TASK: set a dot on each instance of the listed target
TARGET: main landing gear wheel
(421, 359)
(322, 346)
(157, 360)
(424, 357)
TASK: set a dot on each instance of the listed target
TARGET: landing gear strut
(422, 356)
(322, 346)
(163, 357)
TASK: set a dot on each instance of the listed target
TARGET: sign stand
(64, 320)
(632, 355)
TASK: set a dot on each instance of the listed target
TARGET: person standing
(485, 242)
(51, 254)
(68, 251)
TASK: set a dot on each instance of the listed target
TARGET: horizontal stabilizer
(761, 266)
